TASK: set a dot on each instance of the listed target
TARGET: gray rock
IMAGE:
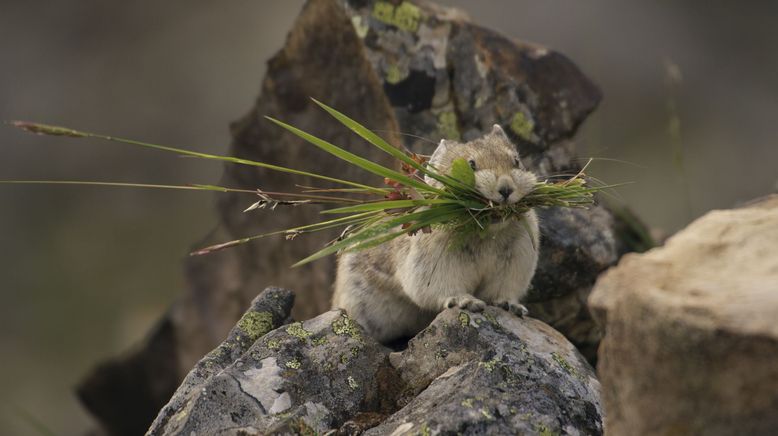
(691, 341)
(268, 311)
(577, 245)
(493, 373)
(300, 378)
(485, 373)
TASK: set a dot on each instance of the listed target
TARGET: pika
(394, 290)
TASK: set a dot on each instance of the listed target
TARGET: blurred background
(690, 99)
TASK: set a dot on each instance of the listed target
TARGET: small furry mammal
(395, 290)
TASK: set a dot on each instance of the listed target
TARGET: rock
(415, 68)
(301, 378)
(493, 373)
(400, 66)
(268, 311)
(488, 373)
(577, 246)
(691, 340)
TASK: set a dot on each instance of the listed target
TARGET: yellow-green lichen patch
(486, 414)
(208, 364)
(425, 430)
(319, 341)
(360, 26)
(545, 431)
(570, 369)
(489, 317)
(447, 125)
(395, 75)
(256, 324)
(464, 319)
(405, 16)
(490, 365)
(296, 329)
(346, 326)
(467, 403)
(273, 344)
(352, 383)
(294, 364)
(522, 126)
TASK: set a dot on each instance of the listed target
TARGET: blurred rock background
(691, 93)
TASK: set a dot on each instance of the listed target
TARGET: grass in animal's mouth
(368, 215)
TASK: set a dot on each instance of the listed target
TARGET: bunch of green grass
(369, 215)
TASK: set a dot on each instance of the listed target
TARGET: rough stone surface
(691, 340)
(485, 373)
(494, 373)
(268, 311)
(304, 377)
(398, 67)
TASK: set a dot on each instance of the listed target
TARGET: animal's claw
(467, 302)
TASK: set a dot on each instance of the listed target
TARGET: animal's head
(499, 174)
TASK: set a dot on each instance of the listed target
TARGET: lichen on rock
(256, 324)
(288, 381)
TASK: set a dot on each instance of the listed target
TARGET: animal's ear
(436, 160)
(498, 131)
(443, 147)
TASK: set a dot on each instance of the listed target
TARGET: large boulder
(691, 339)
(415, 72)
(489, 373)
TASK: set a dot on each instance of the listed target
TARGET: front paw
(467, 302)
(515, 308)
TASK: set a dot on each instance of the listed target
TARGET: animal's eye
(472, 163)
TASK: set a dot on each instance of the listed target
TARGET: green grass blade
(438, 219)
(210, 188)
(390, 204)
(374, 139)
(429, 216)
(338, 222)
(45, 129)
(369, 136)
(358, 161)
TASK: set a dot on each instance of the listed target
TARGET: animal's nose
(505, 192)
